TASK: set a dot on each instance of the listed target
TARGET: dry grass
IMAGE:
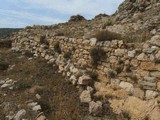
(60, 100)
(107, 36)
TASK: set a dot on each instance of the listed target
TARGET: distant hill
(6, 32)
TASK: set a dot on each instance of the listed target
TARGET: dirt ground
(60, 100)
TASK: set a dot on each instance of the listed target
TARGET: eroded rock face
(137, 109)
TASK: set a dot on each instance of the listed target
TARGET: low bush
(97, 54)
(67, 55)
(28, 53)
(107, 36)
(57, 48)
(111, 74)
(93, 75)
(5, 43)
(24, 84)
(43, 40)
(3, 65)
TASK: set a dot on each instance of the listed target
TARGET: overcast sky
(20, 13)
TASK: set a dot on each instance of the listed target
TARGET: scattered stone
(95, 108)
(85, 96)
(151, 94)
(127, 86)
(36, 108)
(38, 96)
(84, 80)
(20, 114)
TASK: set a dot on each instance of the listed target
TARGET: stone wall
(133, 67)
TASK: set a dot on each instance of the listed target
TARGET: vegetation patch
(92, 74)
(3, 65)
(43, 40)
(57, 48)
(5, 43)
(97, 54)
(24, 84)
(28, 53)
(107, 36)
(67, 55)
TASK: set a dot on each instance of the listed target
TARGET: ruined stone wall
(133, 67)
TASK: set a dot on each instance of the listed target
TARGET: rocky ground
(32, 89)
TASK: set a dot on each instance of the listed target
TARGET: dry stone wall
(133, 67)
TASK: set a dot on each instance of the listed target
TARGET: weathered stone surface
(158, 86)
(127, 86)
(131, 53)
(137, 108)
(93, 41)
(142, 57)
(151, 94)
(150, 66)
(84, 80)
(85, 96)
(150, 79)
(155, 74)
(36, 108)
(20, 114)
(95, 108)
(120, 52)
(155, 40)
(137, 92)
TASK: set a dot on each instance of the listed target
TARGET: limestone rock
(95, 108)
(155, 40)
(142, 57)
(36, 108)
(85, 96)
(137, 92)
(131, 53)
(151, 94)
(93, 41)
(127, 86)
(20, 114)
(84, 80)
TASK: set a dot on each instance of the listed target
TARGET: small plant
(3, 65)
(24, 84)
(107, 23)
(97, 54)
(43, 40)
(107, 36)
(5, 43)
(111, 74)
(28, 53)
(67, 55)
(93, 75)
(119, 69)
(57, 48)
(126, 115)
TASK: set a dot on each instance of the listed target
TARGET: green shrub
(92, 74)
(107, 36)
(5, 43)
(111, 74)
(43, 40)
(3, 65)
(57, 48)
(107, 23)
(67, 55)
(28, 53)
(24, 84)
(97, 54)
